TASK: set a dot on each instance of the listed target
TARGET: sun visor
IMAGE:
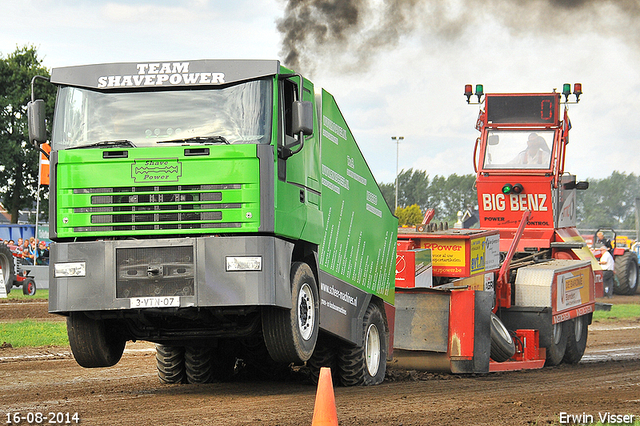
(146, 75)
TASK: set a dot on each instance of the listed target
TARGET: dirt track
(48, 380)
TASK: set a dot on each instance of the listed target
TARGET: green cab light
(479, 90)
(507, 188)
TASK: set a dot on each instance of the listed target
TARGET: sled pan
(442, 330)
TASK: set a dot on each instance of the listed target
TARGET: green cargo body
(193, 239)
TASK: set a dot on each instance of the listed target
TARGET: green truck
(221, 209)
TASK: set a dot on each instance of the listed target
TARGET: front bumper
(198, 276)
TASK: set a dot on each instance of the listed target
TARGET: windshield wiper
(200, 139)
(108, 144)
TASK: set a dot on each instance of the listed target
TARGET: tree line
(416, 190)
(18, 159)
(609, 202)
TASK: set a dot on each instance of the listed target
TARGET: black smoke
(348, 34)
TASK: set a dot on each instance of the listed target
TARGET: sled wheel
(291, 334)
(7, 266)
(557, 348)
(29, 287)
(578, 331)
(198, 362)
(626, 267)
(365, 364)
(93, 342)
(170, 364)
(502, 344)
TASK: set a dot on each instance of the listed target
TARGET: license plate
(155, 302)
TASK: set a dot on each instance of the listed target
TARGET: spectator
(43, 254)
(30, 252)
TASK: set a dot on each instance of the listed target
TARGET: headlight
(71, 269)
(244, 263)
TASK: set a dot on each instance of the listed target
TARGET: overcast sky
(396, 68)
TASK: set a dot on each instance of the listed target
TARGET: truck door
(298, 176)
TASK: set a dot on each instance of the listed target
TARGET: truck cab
(191, 205)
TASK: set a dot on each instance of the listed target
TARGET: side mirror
(582, 185)
(35, 117)
(493, 140)
(302, 116)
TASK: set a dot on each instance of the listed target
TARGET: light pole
(397, 140)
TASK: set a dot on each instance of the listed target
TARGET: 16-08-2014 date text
(40, 418)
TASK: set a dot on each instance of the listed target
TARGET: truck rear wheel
(627, 271)
(7, 266)
(291, 334)
(325, 355)
(198, 362)
(578, 331)
(93, 342)
(170, 364)
(502, 345)
(365, 364)
(558, 346)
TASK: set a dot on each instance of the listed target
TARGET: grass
(34, 333)
(618, 312)
(16, 293)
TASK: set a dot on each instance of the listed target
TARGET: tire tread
(170, 364)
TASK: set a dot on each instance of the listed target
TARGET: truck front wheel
(558, 345)
(578, 331)
(365, 364)
(92, 342)
(291, 334)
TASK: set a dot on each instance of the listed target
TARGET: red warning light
(518, 188)
(468, 91)
(577, 90)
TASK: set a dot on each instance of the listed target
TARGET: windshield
(518, 149)
(234, 114)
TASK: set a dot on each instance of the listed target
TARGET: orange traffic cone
(324, 412)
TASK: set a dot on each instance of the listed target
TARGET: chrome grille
(156, 207)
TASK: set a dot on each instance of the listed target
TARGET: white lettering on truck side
(517, 202)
